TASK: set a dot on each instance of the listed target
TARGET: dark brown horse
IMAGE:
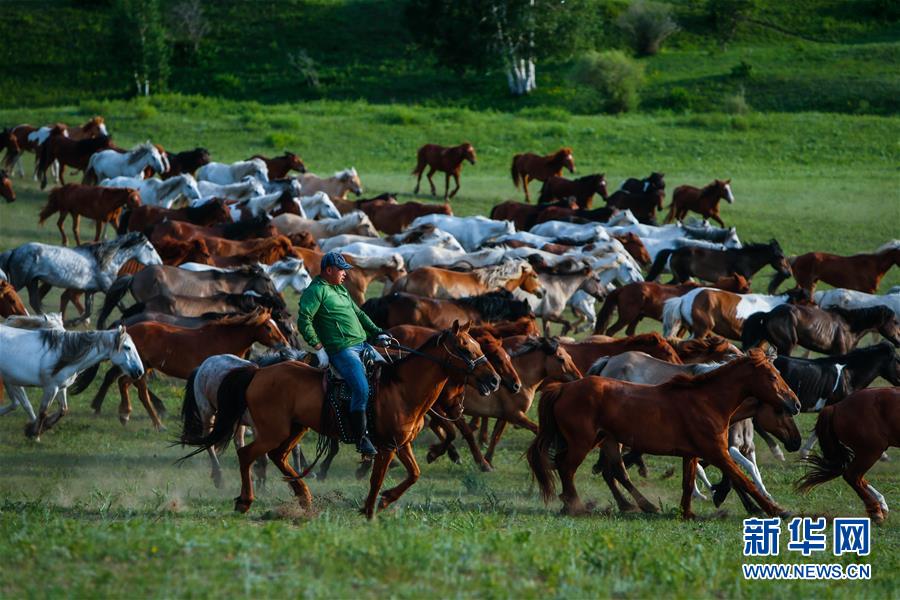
(447, 160)
(711, 264)
(407, 390)
(392, 218)
(260, 227)
(573, 214)
(280, 166)
(643, 205)
(68, 152)
(6, 188)
(145, 217)
(687, 416)
(102, 204)
(854, 434)
(186, 162)
(406, 309)
(525, 216)
(529, 166)
(861, 272)
(582, 189)
(832, 331)
(655, 181)
(17, 142)
(704, 201)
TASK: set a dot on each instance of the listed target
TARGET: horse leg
(688, 475)
(18, 395)
(279, 457)
(125, 401)
(379, 470)
(59, 225)
(770, 442)
(34, 429)
(608, 471)
(499, 426)
(34, 296)
(108, 380)
(98, 226)
(406, 456)
(749, 464)
(525, 180)
(333, 447)
(808, 445)
(618, 467)
(76, 224)
(854, 475)
(483, 431)
(729, 468)
(635, 458)
(144, 395)
(469, 436)
(445, 434)
(59, 414)
(446, 185)
(715, 217)
(456, 189)
(431, 171)
(566, 466)
(216, 467)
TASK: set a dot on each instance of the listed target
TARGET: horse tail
(516, 177)
(52, 205)
(671, 216)
(777, 279)
(122, 227)
(834, 458)
(671, 317)
(659, 264)
(547, 439)
(84, 379)
(90, 175)
(232, 404)
(192, 421)
(598, 366)
(420, 161)
(609, 305)
(754, 330)
(115, 294)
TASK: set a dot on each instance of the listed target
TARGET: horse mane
(105, 252)
(257, 317)
(351, 172)
(533, 342)
(139, 151)
(496, 306)
(891, 245)
(72, 345)
(497, 275)
(864, 318)
(756, 357)
(860, 357)
(201, 211)
(712, 343)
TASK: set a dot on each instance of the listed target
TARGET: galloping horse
(704, 201)
(408, 389)
(107, 164)
(861, 272)
(392, 218)
(433, 282)
(280, 166)
(103, 205)
(226, 174)
(337, 186)
(587, 351)
(447, 160)
(6, 188)
(407, 309)
(687, 417)
(854, 434)
(186, 162)
(525, 216)
(654, 181)
(527, 167)
(643, 205)
(582, 189)
(710, 264)
(24, 138)
(144, 218)
(68, 153)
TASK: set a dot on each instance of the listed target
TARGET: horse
(851, 299)
(448, 160)
(528, 166)
(103, 205)
(710, 264)
(356, 223)
(704, 201)
(158, 192)
(524, 216)
(24, 138)
(283, 273)
(89, 268)
(559, 286)
(259, 206)
(197, 306)
(76, 154)
(646, 299)
(408, 389)
(51, 359)
(563, 211)
(144, 218)
(854, 435)
(587, 351)
(185, 163)
(832, 331)
(432, 282)
(712, 348)
(392, 218)
(226, 174)
(861, 272)
(6, 188)
(246, 188)
(107, 164)
(406, 309)
(10, 143)
(422, 234)
(582, 189)
(643, 205)
(264, 250)
(336, 187)
(705, 310)
(471, 232)
(686, 416)
(654, 181)
(279, 166)
(10, 303)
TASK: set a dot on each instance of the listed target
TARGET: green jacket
(329, 316)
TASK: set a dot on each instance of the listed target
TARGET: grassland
(98, 509)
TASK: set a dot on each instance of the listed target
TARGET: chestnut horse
(861, 272)
(392, 218)
(587, 351)
(145, 217)
(646, 298)
(582, 189)
(433, 282)
(525, 216)
(68, 152)
(447, 160)
(407, 309)
(6, 188)
(252, 229)
(185, 162)
(10, 303)
(527, 167)
(854, 434)
(281, 416)
(686, 416)
(280, 166)
(103, 205)
(704, 201)
(712, 348)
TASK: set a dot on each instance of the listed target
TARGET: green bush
(647, 25)
(609, 81)
(144, 110)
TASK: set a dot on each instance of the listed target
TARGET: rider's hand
(382, 339)
(323, 358)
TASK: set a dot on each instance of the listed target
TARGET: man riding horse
(336, 328)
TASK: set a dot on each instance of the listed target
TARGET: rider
(332, 323)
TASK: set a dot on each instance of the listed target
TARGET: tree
(512, 35)
(190, 23)
(140, 33)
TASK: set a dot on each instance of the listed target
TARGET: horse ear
(120, 337)
(465, 328)
(455, 327)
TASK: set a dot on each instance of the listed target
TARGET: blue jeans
(348, 363)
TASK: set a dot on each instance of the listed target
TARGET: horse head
(561, 366)
(123, 353)
(568, 159)
(500, 360)
(294, 162)
(724, 190)
(468, 152)
(778, 261)
(530, 282)
(779, 423)
(599, 185)
(767, 384)
(350, 179)
(464, 354)
(657, 181)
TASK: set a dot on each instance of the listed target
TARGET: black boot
(363, 444)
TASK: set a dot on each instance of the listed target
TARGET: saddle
(336, 408)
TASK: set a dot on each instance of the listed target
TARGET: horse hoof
(688, 516)
(642, 471)
(241, 506)
(161, 428)
(123, 419)
(430, 458)
(785, 515)
(486, 468)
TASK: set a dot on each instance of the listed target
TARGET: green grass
(98, 509)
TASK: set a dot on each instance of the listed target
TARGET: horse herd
(204, 251)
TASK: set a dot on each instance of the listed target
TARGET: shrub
(742, 70)
(678, 99)
(736, 104)
(647, 25)
(610, 81)
(143, 110)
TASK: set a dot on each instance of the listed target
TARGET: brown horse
(185, 162)
(635, 247)
(710, 263)
(392, 218)
(646, 298)
(6, 188)
(102, 204)
(861, 272)
(253, 229)
(854, 434)
(10, 143)
(587, 351)
(68, 152)
(264, 250)
(432, 282)
(526, 326)
(198, 306)
(407, 309)
(17, 142)
(704, 201)
(447, 160)
(281, 416)
(527, 167)
(687, 416)
(712, 348)
(280, 166)
(10, 303)
(145, 217)
(525, 216)
(582, 189)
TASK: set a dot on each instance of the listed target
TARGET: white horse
(428, 235)
(336, 186)
(224, 174)
(286, 272)
(51, 359)
(851, 299)
(356, 222)
(255, 207)
(558, 290)
(319, 206)
(574, 233)
(420, 255)
(159, 192)
(246, 188)
(107, 164)
(471, 232)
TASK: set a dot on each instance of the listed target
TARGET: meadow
(98, 509)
